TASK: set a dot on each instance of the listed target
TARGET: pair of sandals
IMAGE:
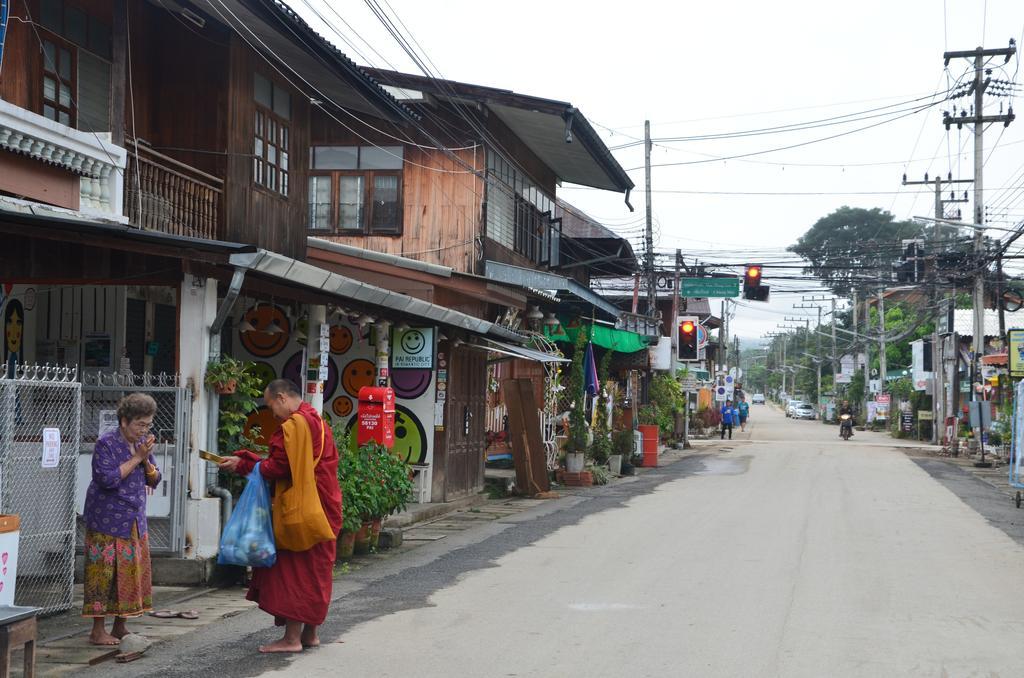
(172, 614)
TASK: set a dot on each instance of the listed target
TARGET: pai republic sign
(413, 349)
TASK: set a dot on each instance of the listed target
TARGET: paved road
(790, 553)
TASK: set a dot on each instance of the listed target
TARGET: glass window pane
(350, 203)
(319, 203)
(76, 25)
(258, 148)
(284, 136)
(282, 102)
(385, 157)
(284, 161)
(385, 203)
(49, 56)
(284, 183)
(263, 91)
(49, 112)
(271, 177)
(49, 89)
(64, 119)
(257, 171)
(65, 95)
(336, 157)
(64, 65)
(259, 124)
(272, 154)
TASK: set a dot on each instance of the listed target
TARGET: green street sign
(710, 287)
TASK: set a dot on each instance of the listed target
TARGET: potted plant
(576, 441)
(622, 447)
(223, 374)
(392, 486)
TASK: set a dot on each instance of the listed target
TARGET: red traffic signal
(752, 287)
(686, 346)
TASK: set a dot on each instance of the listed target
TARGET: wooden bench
(17, 629)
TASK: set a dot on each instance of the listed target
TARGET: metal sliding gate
(165, 507)
(40, 425)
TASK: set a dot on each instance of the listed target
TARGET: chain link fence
(37, 478)
(165, 507)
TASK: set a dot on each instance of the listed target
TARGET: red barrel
(649, 432)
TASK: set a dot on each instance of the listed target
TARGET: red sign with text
(376, 416)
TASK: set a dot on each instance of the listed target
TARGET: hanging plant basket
(226, 387)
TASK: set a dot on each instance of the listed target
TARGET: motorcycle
(845, 426)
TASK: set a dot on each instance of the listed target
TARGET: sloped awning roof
(294, 273)
(556, 131)
(274, 30)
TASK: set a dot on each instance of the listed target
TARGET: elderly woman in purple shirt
(118, 579)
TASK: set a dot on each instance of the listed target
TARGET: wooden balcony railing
(162, 194)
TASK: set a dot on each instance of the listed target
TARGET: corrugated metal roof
(293, 272)
(380, 257)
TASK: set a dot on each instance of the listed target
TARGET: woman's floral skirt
(118, 578)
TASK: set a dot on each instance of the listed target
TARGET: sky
(698, 69)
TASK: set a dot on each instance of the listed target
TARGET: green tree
(851, 243)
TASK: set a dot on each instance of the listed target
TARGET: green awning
(620, 341)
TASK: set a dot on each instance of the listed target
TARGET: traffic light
(686, 347)
(752, 287)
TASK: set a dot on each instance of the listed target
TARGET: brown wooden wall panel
(513, 147)
(441, 201)
(180, 83)
(29, 178)
(21, 79)
(253, 214)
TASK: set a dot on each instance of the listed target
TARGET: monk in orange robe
(297, 588)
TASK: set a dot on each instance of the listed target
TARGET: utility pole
(675, 303)
(982, 79)
(817, 343)
(649, 264)
(938, 296)
(835, 359)
(882, 366)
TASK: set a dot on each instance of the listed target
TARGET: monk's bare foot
(282, 645)
(103, 639)
(310, 639)
(119, 632)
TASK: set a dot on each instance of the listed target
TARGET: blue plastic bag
(248, 538)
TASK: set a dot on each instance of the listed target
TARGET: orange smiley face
(357, 374)
(342, 406)
(270, 333)
(341, 339)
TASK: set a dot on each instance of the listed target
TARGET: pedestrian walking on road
(744, 410)
(296, 589)
(118, 580)
(728, 413)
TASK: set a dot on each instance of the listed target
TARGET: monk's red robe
(298, 585)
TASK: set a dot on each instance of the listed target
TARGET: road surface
(786, 552)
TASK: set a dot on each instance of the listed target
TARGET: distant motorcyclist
(847, 410)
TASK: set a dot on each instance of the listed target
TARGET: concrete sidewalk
(63, 647)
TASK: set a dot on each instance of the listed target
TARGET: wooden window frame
(72, 108)
(368, 203)
(261, 161)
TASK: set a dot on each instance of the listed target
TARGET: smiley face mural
(352, 365)
(341, 339)
(411, 445)
(271, 330)
(357, 374)
(342, 406)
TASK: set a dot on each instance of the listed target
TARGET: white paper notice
(108, 422)
(51, 447)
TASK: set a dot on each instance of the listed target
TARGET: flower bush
(374, 482)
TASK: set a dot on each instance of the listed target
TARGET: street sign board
(702, 336)
(689, 382)
(1015, 339)
(882, 398)
(710, 287)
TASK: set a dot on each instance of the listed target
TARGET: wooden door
(464, 422)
